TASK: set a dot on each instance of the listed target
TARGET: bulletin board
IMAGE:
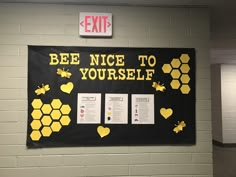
(105, 96)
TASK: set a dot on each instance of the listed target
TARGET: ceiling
(222, 15)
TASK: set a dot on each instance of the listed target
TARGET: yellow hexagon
(65, 120)
(185, 89)
(35, 124)
(46, 108)
(35, 135)
(65, 109)
(56, 126)
(175, 63)
(36, 114)
(175, 84)
(184, 68)
(166, 68)
(46, 131)
(37, 103)
(175, 74)
(56, 103)
(185, 78)
(55, 114)
(184, 58)
(46, 120)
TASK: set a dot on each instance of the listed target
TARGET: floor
(224, 161)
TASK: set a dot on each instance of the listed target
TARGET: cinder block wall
(39, 24)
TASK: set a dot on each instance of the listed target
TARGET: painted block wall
(39, 24)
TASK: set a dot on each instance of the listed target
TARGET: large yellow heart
(166, 113)
(67, 88)
(103, 131)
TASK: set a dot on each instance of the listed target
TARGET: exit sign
(95, 24)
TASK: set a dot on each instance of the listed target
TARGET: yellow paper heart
(166, 113)
(67, 88)
(103, 131)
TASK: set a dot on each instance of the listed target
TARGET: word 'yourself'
(112, 66)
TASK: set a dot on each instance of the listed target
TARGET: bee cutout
(178, 128)
(158, 86)
(63, 73)
(42, 90)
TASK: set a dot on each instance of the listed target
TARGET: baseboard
(217, 143)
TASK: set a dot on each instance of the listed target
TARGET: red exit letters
(95, 24)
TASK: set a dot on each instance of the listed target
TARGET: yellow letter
(121, 74)
(83, 71)
(130, 74)
(92, 77)
(120, 60)
(108, 60)
(64, 57)
(149, 72)
(139, 75)
(142, 58)
(53, 59)
(74, 58)
(101, 74)
(111, 74)
(152, 64)
(93, 59)
(103, 60)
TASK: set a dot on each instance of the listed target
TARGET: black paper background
(183, 105)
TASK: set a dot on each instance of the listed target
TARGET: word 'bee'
(178, 128)
(42, 90)
(63, 73)
(158, 86)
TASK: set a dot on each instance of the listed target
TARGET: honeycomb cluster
(48, 118)
(179, 69)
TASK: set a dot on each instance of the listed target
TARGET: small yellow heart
(166, 113)
(67, 88)
(103, 131)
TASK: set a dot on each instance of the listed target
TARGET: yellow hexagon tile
(56, 126)
(65, 120)
(185, 78)
(175, 84)
(184, 68)
(46, 108)
(46, 120)
(175, 74)
(46, 131)
(35, 135)
(175, 63)
(55, 114)
(184, 58)
(166, 68)
(185, 89)
(65, 109)
(36, 103)
(35, 124)
(36, 114)
(56, 103)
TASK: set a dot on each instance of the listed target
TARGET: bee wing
(46, 87)
(182, 123)
(59, 71)
(154, 84)
(176, 130)
(68, 74)
(38, 91)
